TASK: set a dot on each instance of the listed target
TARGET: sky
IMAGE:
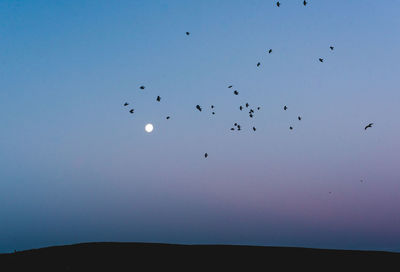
(76, 166)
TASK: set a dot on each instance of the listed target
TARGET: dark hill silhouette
(133, 256)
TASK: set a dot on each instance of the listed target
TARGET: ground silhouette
(139, 256)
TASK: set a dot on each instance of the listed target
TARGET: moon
(149, 128)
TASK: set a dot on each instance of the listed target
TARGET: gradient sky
(75, 166)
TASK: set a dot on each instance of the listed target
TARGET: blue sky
(75, 166)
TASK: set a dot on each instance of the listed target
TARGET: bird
(198, 107)
(331, 47)
(258, 64)
(299, 118)
(205, 155)
(247, 105)
(278, 4)
(241, 107)
(236, 92)
(187, 33)
(142, 87)
(251, 111)
(230, 86)
(304, 2)
(284, 108)
(158, 98)
(213, 112)
(238, 127)
(258, 108)
(321, 60)
(270, 51)
(126, 104)
(168, 117)
(251, 115)
(290, 128)
(132, 110)
(232, 129)
(235, 124)
(212, 106)
(254, 128)
(368, 126)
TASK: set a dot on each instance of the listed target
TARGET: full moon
(149, 128)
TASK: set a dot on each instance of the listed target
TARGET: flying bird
(126, 104)
(270, 51)
(236, 92)
(251, 115)
(368, 126)
(168, 117)
(142, 87)
(299, 118)
(254, 128)
(187, 33)
(258, 64)
(213, 112)
(278, 4)
(239, 127)
(290, 128)
(230, 86)
(132, 110)
(247, 105)
(235, 124)
(284, 108)
(304, 2)
(331, 47)
(205, 155)
(198, 107)
(158, 98)
(212, 106)
(241, 107)
(232, 129)
(258, 108)
(321, 60)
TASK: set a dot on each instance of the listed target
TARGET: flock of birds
(251, 112)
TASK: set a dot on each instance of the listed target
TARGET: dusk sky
(76, 166)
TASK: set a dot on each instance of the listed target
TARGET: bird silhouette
(213, 113)
(331, 47)
(278, 4)
(168, 117)
(187, 33)
(142, 87)
(241, 107)
(251, 111)
(239, 128)
(232, 129)
(321, 60)
(254, 128)
(251, 115)
(235, 124)
(368, 126)
(198, 107)
(205, 155)
(132, 110)
(212, 106)
(258, 108)
(230, 86)
(247, 105)
(236, 92)
(304, 2)
(290, 128)
(270, 51)
(126, 104)
(284, 108)
(258, 64)
(158, 98)
(299, 118)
